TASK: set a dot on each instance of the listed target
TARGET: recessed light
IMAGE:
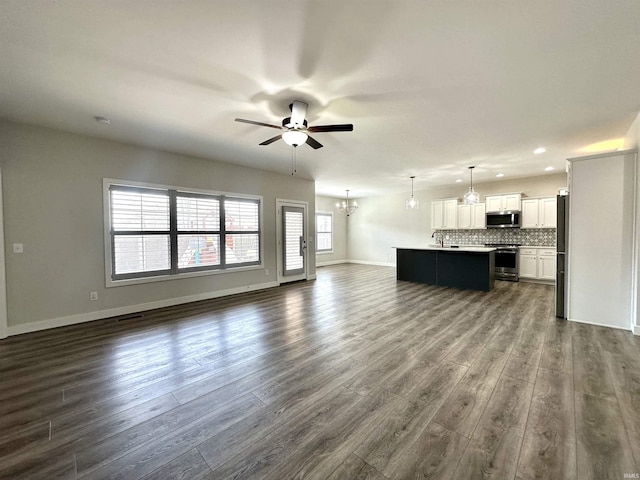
(458, 180)
(539, 150)
(500, 175)
(101, 119)
(549, 168)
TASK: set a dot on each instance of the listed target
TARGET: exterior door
(292, 243)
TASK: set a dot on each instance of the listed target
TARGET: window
(324, 232)
(164, 231)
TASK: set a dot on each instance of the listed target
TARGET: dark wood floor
(354, 375)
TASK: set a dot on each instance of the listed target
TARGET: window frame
(174, 272)
(325, 251)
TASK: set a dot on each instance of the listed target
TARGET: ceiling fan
(296, 132)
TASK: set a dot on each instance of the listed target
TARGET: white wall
(53, 205)
(382, 222)
(339, 254)
(632, 141)
(601, 247)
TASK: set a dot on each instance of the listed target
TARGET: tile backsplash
(538, 237)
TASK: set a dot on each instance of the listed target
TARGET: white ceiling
(431, 86)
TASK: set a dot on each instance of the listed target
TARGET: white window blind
(198, 226)
(294, 231)
(324, 232)
(242, 224)
(140, 231)
(157, 231)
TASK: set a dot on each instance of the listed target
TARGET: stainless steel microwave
(506, 219)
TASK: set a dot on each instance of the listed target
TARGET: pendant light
(346, 208)
(412, 203)
(471, 197)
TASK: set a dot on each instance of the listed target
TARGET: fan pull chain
(293, 160)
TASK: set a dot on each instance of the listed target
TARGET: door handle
(303, 245)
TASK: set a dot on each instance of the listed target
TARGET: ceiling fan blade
(298, 113)
(313, 143)
(252, 122)
(346, 127)
(271, 140)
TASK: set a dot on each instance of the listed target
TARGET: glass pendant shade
(413, 202)
(345, 207)
(471, 197)
(294, 137)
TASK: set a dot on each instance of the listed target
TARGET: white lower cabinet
(538, 263)
(546, 264)
(528, 263)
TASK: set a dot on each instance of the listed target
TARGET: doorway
(3, 285)
(291, 224)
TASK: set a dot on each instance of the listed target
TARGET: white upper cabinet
(529, 213)
(548, 213)
(500, 203)
(471, 216)
(539, 213)
(444, 214)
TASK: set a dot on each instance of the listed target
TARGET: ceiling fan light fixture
(294, 137)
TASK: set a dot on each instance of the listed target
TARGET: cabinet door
(450, 214)
(478, 216)
(464, 216)
(528, 266)
(512, 202)
(547, 267)
(530, 213)
(547, 213)
(494, 203)
(437, 214)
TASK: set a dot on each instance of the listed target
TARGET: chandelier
(345, 207)
(412, 203)
(471, 197)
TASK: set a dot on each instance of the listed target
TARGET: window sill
(162, 278)
(324, 252)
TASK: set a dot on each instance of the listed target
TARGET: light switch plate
(18, 248)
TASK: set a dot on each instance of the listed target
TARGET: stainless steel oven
(507, 261)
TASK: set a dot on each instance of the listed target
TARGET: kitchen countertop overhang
(467, 249)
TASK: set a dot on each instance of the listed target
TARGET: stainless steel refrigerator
(561, 256)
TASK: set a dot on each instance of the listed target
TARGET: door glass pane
(293, 222)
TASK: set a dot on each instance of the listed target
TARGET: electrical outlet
(18, 248)
(93, 296)
(266, 272)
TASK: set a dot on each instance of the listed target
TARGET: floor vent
(130, 317)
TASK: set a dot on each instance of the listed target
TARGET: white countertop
(461, 248)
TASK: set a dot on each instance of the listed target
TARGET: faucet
(441, 235)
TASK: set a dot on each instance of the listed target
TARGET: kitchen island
(471, 268)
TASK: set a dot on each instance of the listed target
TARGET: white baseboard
(114, 312)
(538, 281)
(367, 262)
(312, 276)
(598, 324)
(636, 329)
(330, 262)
